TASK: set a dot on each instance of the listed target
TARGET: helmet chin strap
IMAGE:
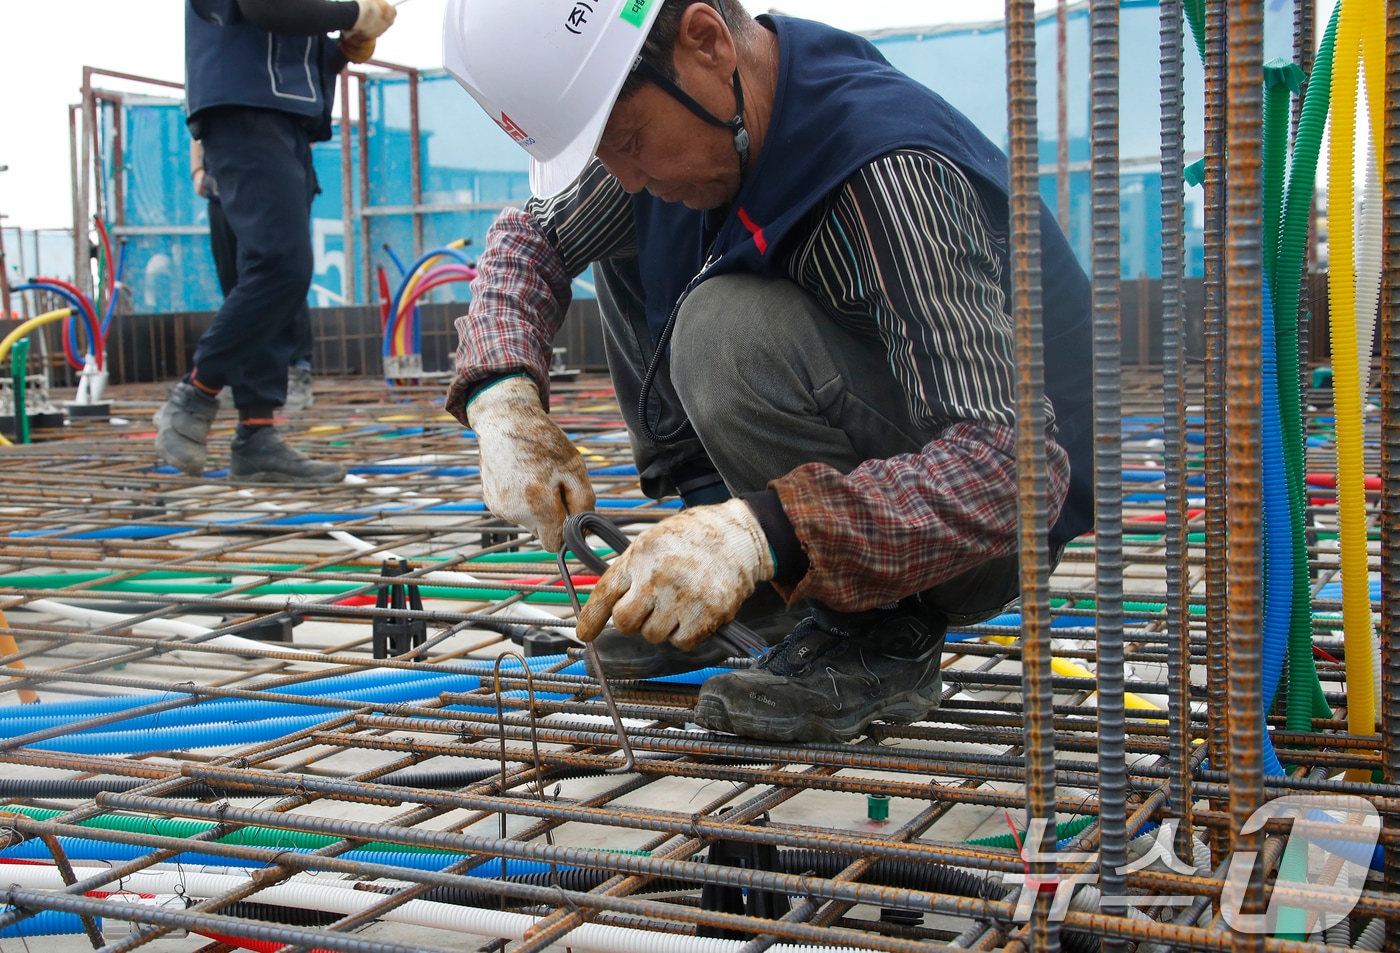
(735, 125)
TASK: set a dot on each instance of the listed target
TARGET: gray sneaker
(264, 458)
(631, 656)
(833, 676)
(182, 428)
(299, 395)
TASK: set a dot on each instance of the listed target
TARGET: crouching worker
(801, 262)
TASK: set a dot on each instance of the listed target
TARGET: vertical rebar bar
(348, 286)
(1108, 456)
(1173, 125)
(415, 161)
(1062, 115)
(1036, 687)
(1390, 421)
(1244, 313)
(367, 261)
(82, 273)
(1217, 637)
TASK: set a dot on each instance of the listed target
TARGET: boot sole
(658, 666)
(902, 709)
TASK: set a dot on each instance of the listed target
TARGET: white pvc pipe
(97, 617)
(341, 897)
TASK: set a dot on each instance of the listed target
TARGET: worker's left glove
(375, 17)
(683, 578)
(356, 47)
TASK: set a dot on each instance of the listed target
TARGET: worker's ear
(704, 39)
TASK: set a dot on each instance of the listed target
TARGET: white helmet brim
(550, 177)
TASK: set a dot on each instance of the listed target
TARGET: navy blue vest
(839, 105)
(230, 62)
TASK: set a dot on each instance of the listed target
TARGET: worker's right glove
(683, 578)
(376, 16)
(530, 473)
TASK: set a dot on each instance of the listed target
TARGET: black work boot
(833, 676)
(262, 457)
(182, 428)
(631, 656)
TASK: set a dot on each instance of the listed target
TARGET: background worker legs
(223, 243)
(262, 163)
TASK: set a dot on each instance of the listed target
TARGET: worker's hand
(683, 578)
(530, 473)
(375, 17)
(356, 47)
(203, 184)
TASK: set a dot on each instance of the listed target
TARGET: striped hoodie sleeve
(522, 289)
(905, 251)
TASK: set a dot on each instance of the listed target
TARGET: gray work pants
(769, 381)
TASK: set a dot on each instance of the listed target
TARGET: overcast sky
(49, 42)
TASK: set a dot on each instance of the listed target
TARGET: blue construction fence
(471, 170)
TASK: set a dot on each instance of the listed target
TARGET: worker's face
(652, 142)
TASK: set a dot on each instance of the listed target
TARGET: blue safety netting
(471, 170)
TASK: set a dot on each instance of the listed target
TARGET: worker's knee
(278, 267)
(736, 329)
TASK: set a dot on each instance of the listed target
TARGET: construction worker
(259, 85)
(802, 266)
(223, 245)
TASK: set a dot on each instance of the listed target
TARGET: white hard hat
(547, 71)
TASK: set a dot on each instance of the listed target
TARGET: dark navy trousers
(261, 160)
(224, 244)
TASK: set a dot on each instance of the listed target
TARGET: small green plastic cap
(1195, 173)
(1282, 72)
(877, 807)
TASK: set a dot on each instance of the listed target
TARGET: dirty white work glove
(683, 578)
(530, 473)
(375, 17)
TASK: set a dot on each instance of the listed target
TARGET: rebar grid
(156, 550)
(205, 761)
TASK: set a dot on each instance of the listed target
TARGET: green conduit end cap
(1282, 72)
(877, 807)
(1195, 173)
(1322, 377)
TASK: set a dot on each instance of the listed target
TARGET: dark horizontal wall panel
(348, 342)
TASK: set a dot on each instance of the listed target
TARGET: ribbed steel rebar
(1216, 498)
(1390, 422)
(1108, 456)
(1244, 314)
(1031, 465)
(1173, 411)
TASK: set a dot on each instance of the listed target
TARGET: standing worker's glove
(683, 578)
(356, 48)
(375, 17)
(530, 473)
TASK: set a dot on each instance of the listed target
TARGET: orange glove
(356, 47)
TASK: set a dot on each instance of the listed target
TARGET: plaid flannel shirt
(903, 252)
